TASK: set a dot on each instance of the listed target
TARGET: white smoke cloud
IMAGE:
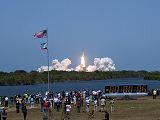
(91, 68)
(56, 65)
(100, 64)
(79, 68)
(61, 66)
(44, 68)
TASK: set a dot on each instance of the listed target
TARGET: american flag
(41, 34)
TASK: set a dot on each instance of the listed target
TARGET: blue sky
(127, 31)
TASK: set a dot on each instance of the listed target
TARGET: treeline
(21, 77)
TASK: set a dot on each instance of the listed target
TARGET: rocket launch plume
(99, 64)
(82, 66)
(83, 61)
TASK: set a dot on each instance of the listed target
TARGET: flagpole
(48, 58)
(48, 68)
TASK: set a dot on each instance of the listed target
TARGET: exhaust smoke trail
(99, 64)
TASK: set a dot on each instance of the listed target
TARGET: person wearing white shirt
(87, 104)
(55, 102)
(95, 105)
(68, 110)
(103, 103)
(154, 94)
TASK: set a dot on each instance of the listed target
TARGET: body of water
(75, 85)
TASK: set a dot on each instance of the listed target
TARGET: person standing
(32, 101)
(112, 105)
(55, 100)
(45, 107)
(95, 104)
(17, 106)
(24, 111)
(58, 105)
(4, 114)
(154, 94)
(78, 104)
(87, 104)
(6, 101)
(103, 103)
(68, 110)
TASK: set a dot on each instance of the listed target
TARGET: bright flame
(83, 61)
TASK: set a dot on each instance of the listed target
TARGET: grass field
(144, 108)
